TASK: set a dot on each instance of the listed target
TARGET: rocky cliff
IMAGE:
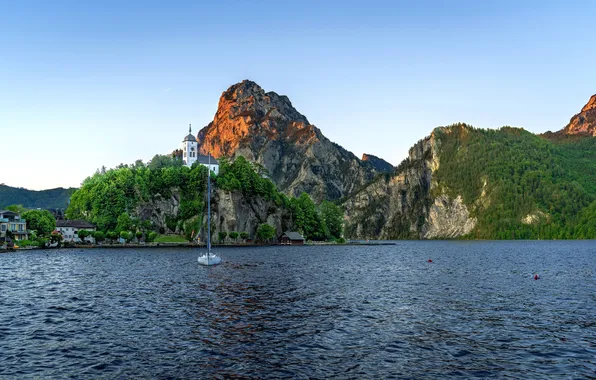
(160, 210)
(584, 123)
(264, 127)
(231, 211)
(377, 163)
(408, 204)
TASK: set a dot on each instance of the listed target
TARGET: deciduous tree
(41, 221)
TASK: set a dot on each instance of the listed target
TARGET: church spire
(189, 131)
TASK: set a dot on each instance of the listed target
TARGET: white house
(190, 153)
(69, 230)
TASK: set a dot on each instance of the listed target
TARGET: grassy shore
(170, 239)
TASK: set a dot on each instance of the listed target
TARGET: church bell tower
(189, 148)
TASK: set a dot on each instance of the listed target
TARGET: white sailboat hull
(209, 260)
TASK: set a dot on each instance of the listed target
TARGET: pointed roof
(74, 223)
(293, 235)
(204, 159)
(189, 137)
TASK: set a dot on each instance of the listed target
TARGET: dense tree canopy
(248, 177)
(332, 216)
(509, 174)
(251, 179)
(109, 198)
(265, 232)
(307, 218)
(41, 221)
(19, 209)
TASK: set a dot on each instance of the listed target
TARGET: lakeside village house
(190, 153)
(291, 238)
(69, 230)
(11, 221)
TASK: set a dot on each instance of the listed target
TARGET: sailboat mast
(209, 207)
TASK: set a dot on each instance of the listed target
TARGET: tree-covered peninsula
(168, 197)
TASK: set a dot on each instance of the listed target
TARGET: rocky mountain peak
(246, 87)
(246, 114)
(590, 105)
(247, 98)
(266, 128)
(584, 123)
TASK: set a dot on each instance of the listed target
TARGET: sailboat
(209, 258)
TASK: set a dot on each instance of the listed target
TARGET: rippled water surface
(318, 312)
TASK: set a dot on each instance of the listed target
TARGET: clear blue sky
(86, 84)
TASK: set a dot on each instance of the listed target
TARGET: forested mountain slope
(488, 184)
(44, 199)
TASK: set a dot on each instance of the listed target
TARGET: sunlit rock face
(584, 123)
(264, 127)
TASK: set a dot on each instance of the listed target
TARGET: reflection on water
(347, 312)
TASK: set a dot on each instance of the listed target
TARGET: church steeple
(189, 148)
(191, 154)
(190, 137)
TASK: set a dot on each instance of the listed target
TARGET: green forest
(520, 174)
(322, 222)
(110, 198)
(45, 199)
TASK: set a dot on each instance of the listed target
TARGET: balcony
(16, 221)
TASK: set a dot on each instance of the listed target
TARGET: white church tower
(190, 154)
(189, 148)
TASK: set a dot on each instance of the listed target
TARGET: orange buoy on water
(430, 261)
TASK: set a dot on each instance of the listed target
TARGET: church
(190, 153)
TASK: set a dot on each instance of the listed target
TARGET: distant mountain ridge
(45, 199)
(265, 128)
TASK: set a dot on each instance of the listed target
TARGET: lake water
(302, 312)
